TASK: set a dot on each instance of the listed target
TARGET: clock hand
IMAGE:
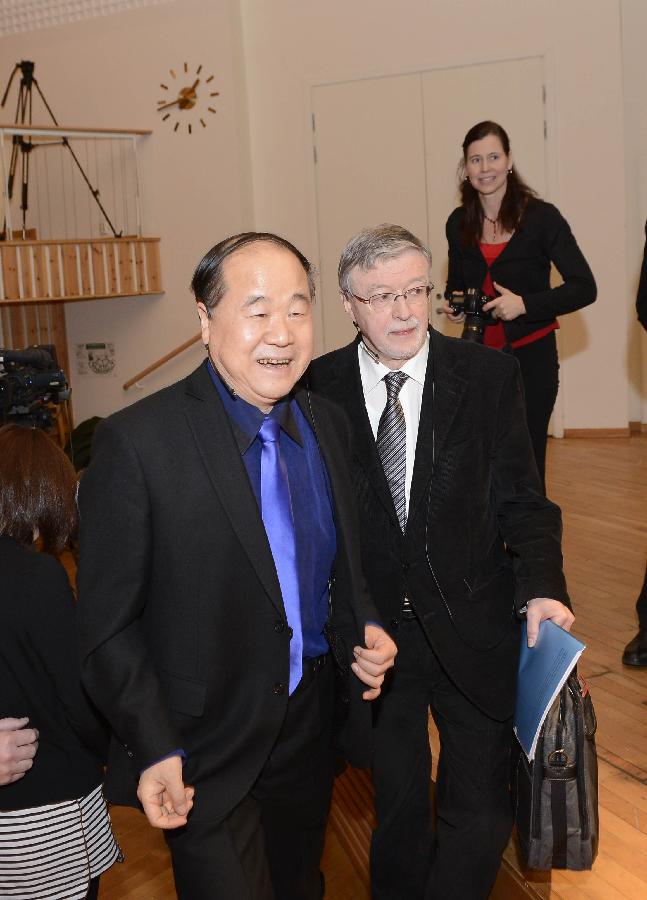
(166, 105)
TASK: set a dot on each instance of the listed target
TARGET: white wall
(197, 189)
(291, 45)
(634, 29)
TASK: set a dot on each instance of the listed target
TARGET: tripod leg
(24, 204)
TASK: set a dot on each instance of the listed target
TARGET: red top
(495, 334)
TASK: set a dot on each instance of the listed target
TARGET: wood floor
(601, 486)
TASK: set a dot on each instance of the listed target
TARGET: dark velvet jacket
(641, 297)
(183, 633)
(475, 490)
(40, 678)
(523, 267)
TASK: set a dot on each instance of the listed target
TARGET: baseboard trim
(597, 432)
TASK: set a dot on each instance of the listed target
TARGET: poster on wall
(96, 359)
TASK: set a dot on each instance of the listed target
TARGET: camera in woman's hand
(470, 303)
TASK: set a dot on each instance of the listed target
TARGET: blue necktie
(276, 511)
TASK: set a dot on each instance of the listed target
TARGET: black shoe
(636, 651)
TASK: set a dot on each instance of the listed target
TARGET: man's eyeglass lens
(415, 295)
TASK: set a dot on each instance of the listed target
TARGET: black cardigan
(523, 267)
(39, 678)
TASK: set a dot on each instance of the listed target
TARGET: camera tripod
(22, 147)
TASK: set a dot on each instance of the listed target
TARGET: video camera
(30, 380)
(471, 302)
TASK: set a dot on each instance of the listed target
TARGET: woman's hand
(507, 306)
(446, 308)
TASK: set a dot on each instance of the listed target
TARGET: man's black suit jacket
(183, 633)
(481, 539)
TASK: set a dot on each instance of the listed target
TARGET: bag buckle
(558, 758)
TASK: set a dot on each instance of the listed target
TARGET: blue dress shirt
(310, 493)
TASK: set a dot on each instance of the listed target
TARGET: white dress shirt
(372, 374)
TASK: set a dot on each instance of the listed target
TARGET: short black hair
(208, 283)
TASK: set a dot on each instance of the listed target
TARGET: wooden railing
(160, 362)
(85, 269)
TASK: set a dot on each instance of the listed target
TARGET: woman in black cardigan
(502, 241)
(55, 836)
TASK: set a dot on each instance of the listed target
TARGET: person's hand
(542, 608)
(507, 306)
(372, 661)
(161, 791)
(18, 746)
(446, 308)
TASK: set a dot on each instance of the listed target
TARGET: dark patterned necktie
(276, 512)
(391, 443)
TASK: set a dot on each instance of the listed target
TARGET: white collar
(372, 373)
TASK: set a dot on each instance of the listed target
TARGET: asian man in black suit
(458, 543)
(219, 564)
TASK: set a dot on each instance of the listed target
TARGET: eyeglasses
(414, 296)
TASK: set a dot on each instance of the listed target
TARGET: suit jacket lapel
(346, 391)
(338, 472)
(442, 397)
(217, 448)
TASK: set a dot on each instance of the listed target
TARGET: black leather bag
(556, 795)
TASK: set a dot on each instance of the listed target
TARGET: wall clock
(188, 101)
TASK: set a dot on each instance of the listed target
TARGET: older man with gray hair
(458, 544)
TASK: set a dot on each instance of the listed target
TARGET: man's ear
(205, 322)
(347, 305)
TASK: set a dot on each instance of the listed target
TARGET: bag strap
(558, 795)
(581, 761)
(559, 823)
(537, 768)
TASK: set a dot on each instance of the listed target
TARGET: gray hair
(374, 244)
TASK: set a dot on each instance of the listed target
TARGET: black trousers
(458, 856)
(641, 605)
(540, 374)
(270, 845)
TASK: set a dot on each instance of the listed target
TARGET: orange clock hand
(166, 105)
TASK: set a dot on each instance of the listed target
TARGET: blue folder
(543, 669)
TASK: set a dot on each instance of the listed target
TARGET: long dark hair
(515, 200)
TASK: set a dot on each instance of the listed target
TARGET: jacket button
(279, 627)
(290, 633)
(394, 623)
(279, 688)
(405, 566)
